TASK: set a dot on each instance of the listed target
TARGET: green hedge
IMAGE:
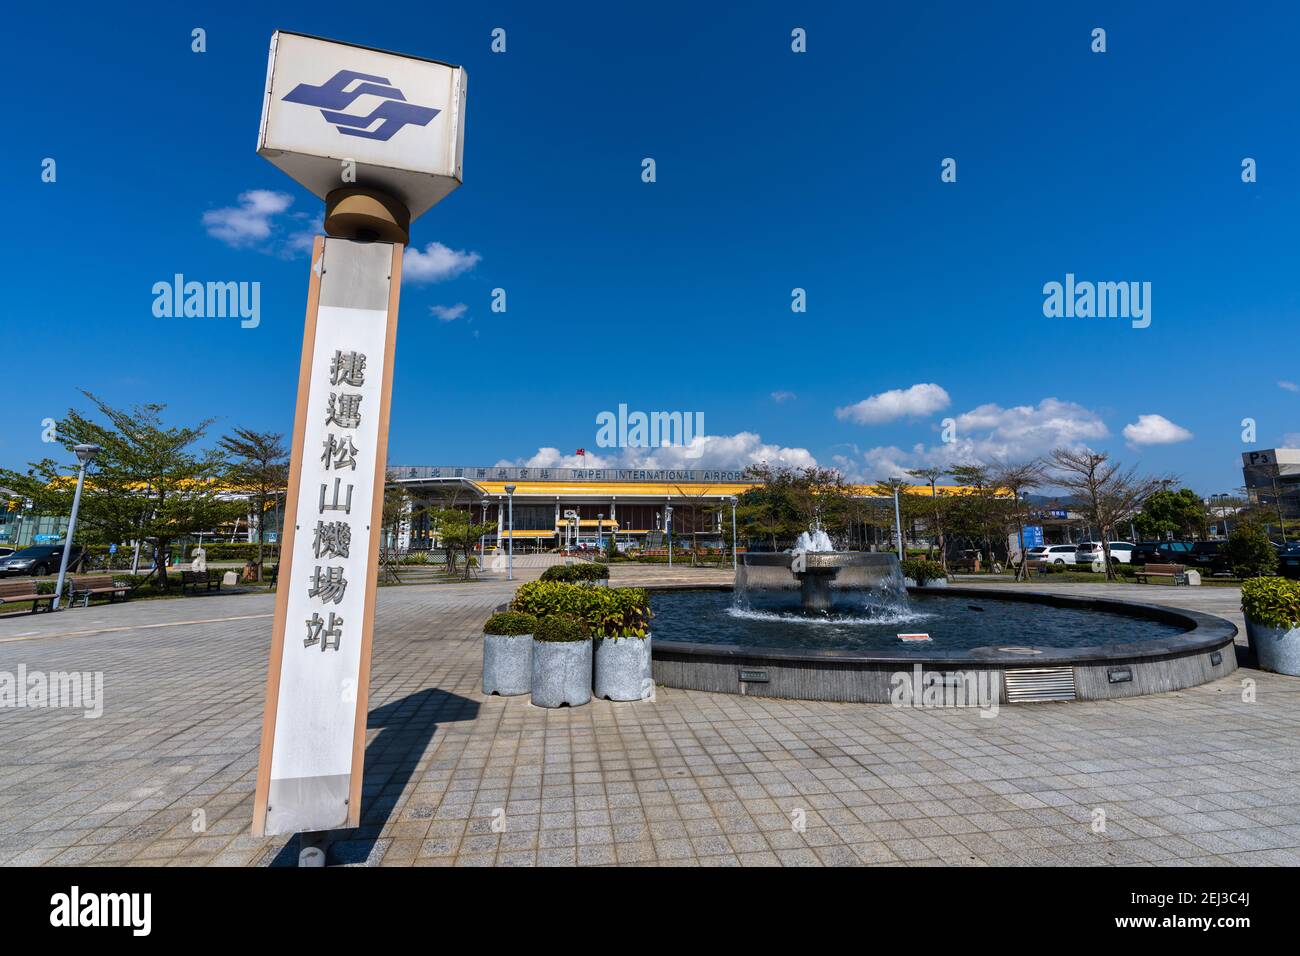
(510, 624)
(920, 570)
(239, 551)
(576, 573)
(1272, 602)
(609, 612)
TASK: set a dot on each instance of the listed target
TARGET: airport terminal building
(572, 507)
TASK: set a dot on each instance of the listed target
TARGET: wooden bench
(1033, 567)
(1175, 572)
(194, 580)
(16, 592)
(84, 588)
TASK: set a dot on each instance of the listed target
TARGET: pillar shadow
(391, 758)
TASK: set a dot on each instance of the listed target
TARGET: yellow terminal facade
(579, 507)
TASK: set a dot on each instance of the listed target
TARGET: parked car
(1209, 557)
(1121, 552)
(1288, 560)
(38, 560)
(6, 551)
(1052, 553)
(1162, 552)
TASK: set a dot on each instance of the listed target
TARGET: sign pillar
(378, 137)
(313, 735)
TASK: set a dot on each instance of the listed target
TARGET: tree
(396, 507)
(977, 511)
(457, 531)
(1108, 494)
(931, 477)
(148, 483)
(1018, 478)
(1250, 552)
(1181, 513)
(790, 501)
(260, 467)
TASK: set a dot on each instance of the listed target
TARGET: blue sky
(775, 170)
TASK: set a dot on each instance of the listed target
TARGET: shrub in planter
(622, 648)
(611, 612)
(1272, 609)
(923, 571)
(508, 653)
(576, 573)
(561, 662)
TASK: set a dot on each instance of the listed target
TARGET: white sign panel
(316, 696)
(338, 115)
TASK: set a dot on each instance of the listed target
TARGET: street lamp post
(85, 454)
(732, 499)
(668, 529)
(510, 566)
(898, 525)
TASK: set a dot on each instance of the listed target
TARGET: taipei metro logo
(333, 96)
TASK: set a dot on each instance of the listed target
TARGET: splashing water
(815, 540)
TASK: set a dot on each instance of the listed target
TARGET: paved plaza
(166, 775)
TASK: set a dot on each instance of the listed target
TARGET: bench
(1036, 568)
(1175, 572)
(14, 592)
(84, 588)
(207, 580)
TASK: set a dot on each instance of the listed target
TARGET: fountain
(814, 623)
(821, 575)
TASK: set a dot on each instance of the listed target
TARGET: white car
(1091, 554)
(1053, 553)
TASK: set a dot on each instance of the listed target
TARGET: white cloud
(1155, 430)
(436, 263)
(780, 397)
(714, 451)
(896, 403)
(1291, 440)
(299, 242)
(1289, 386)
(250, 222)
(986, 433)
(449, 313)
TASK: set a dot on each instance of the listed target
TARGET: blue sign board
(1033, 536)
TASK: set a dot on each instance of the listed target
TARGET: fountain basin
(1101, 648)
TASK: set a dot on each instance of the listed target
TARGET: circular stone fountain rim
(1206, 632)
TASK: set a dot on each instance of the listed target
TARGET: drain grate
(1030, 684)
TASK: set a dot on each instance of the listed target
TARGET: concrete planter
(1276, 649)
(932, 583)
(623, 668)
(507, 664)
(561, 673)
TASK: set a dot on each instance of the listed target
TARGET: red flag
(582, 452)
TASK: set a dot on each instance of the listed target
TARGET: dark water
(953, 623)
